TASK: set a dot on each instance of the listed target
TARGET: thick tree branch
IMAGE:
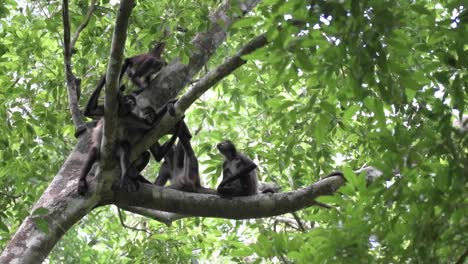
(194, 204)
(112, 79)
(83, 25)
(206, 82)
(160, 216)
(214, 76)
(73, 83)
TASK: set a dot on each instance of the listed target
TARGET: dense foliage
(342, 84)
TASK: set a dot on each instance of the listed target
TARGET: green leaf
(41, 224)
(40, 211)
(3, 227)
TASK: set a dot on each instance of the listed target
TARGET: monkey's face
(226, 148)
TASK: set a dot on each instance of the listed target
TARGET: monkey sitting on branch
(239, 176)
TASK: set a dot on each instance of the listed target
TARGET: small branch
(257, 206)
(73, 84)
(223, 70)
(10, 195)
(112, 78)
(462, 258)
(160, 216)
(83, 24)
(129, 227)
(299, 222)
(288, 222)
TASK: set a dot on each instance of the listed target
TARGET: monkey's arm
(247, 166)
(164, 174)
(92, 109)
(159, 152)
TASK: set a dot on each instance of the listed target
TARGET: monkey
(239, 176)
(134, 124)
(137, 67)
(180, 167)
(141, 68)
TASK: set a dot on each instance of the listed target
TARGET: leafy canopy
(341, 85)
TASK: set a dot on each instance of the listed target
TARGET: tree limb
(195, 204)
(122, 222)
(112, 80)
(160, 216)
(73, 83)
(83, 24)
(223, 70)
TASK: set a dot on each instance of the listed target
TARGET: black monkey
(141, 68)
(134, 124)
(180, 166)
(239, 176)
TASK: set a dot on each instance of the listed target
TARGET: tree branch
(83, 24)
(160, 216)
(194, 204)
(112, 80)
(73, 83)
(223, 70)
(122, 222)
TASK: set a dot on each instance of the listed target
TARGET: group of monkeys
(180, 164)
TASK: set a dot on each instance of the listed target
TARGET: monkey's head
(227, 148)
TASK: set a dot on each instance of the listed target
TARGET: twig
(83, 24)
(130, 227)
(194, 81)
(73, 83)
(10, 195)
(299, 222)
(287, 222)
(223, 70)
(283, 259)
(160, 216)
(462, 258)
(14, 83)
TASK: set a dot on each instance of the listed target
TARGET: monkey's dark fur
(134, 123)
(180, 167)
(239, 176)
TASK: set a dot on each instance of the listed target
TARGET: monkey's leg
(92, 109)
(231, 190)
(139, 165)
(93, 156)
(127, 178)
(159, 151)
(164, 174)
